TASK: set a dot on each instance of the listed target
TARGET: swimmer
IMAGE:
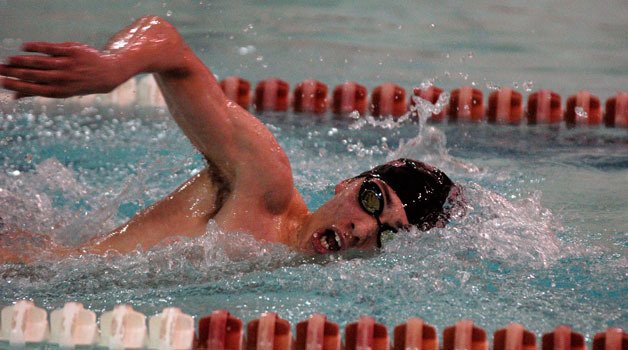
(248, 184)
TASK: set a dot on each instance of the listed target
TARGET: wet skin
(342, 219)
(248, 185)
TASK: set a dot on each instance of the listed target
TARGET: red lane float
(220, 330)
(272, 95)
(617, 110)
(514, 337)
(317, 333)
(583, 108)
(544, 107)
(238, 90)
(464, 335)
(349, 97)
(612, 339)
(310, 96)
(505, 106)
(430, 94)
(466, 104)
(366, 334)
(388, 99)
(269, 332)
(563, 339)
(415, 334)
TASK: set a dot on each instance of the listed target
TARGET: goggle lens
(372, 201)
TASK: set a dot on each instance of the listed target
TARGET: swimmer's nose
(362, 233)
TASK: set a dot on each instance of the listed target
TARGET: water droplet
(528, 85)
(168, 13)
(581, 113)
(492, 86)
(427, 83)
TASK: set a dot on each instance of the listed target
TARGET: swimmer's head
(423, 189)
(392, 196)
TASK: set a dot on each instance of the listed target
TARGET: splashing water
(500, 259)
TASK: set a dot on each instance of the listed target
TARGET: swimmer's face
(361, 212)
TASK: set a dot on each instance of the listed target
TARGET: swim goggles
(371, 200)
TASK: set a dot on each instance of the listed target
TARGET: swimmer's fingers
(33, 75)
(26, 88)
(75, 69)
(39, 62)
(52, 49)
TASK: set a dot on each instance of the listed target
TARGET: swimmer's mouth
(327, 241)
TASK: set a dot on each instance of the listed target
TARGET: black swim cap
(423, 189)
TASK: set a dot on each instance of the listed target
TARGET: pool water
(544, 235)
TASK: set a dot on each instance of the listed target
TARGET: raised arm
(232, 140)
(235, 143)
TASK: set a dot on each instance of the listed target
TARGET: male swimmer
(248, 184)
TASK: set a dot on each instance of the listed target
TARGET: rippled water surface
(543, 239)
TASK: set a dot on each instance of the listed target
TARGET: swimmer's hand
(64, 70)
(59, 70)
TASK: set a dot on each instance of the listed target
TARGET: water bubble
(168, 13)
(528, 85)
(245, 50)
